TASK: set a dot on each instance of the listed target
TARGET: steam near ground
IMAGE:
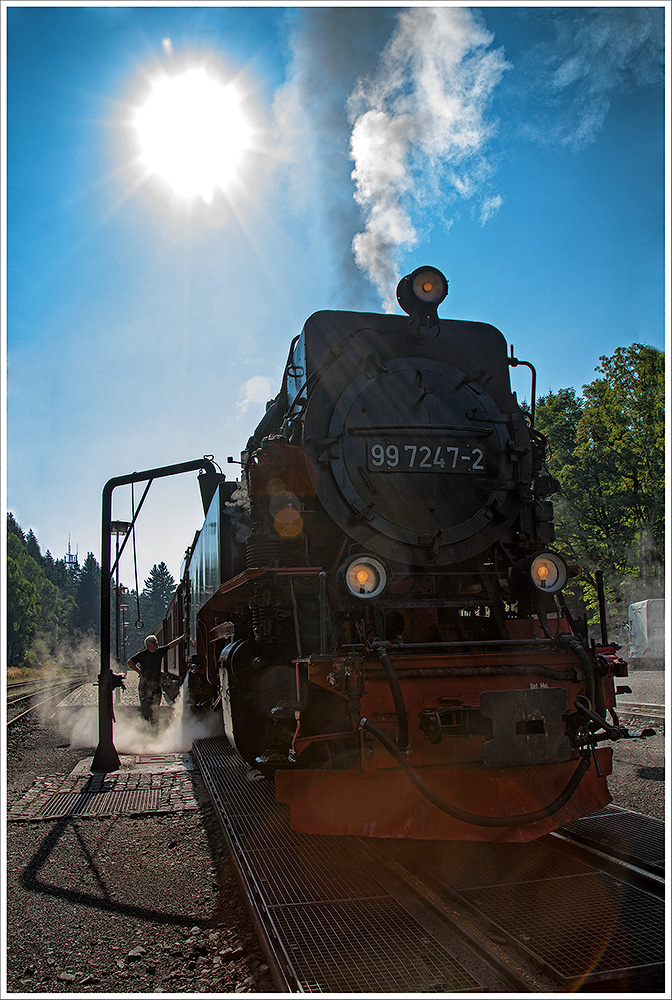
(177, 728)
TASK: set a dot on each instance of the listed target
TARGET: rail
(59, 689)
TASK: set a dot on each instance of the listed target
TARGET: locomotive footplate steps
(331, 925)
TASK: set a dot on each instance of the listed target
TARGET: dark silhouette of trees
(36, 606)
(156, 594)
(87, 618)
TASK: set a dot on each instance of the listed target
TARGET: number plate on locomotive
(382, 456)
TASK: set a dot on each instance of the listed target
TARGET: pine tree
(23, 610)
(87, 618)
(32, 547)
(157, 594)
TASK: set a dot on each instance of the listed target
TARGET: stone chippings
(125, 903)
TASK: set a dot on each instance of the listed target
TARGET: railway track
(577, 910)
(641, 711)
(25, 691)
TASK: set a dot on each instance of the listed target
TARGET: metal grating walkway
(159, 783)
(336, 927)
(637, 839)
(586, 928)
(582, 925)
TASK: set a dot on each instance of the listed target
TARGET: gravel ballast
(120, 904)
(149, 903)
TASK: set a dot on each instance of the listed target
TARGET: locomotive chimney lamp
(421, 292)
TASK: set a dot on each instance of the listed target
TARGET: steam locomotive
(375, 606)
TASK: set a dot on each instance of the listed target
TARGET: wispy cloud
(490, 207)
(595, 56)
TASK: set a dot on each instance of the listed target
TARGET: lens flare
(288, 523)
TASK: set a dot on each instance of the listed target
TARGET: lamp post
(118, 528)
(123, 608)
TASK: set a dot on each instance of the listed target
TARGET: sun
(193, 133)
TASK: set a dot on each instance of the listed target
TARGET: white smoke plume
(387, 119)
(420, 131)
(329, 49)
(405, 95)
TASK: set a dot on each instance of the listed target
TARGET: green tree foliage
(156, 594)
(61, 575)
(36, 607)
(49, 600)
(606, 449)
(23, 612)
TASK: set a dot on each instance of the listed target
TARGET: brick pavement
(145, 783)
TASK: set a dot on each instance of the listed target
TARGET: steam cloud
(401, 94)
(133, 734)
(396, 107)
(255, 390)
(420, 131)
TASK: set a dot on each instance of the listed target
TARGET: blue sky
(519, 149)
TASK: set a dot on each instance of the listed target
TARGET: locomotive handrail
(250, 575)
(513, 363)
(437, 429)
(453, 643)
(512, 669)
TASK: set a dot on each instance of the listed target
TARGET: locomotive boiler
(376, 606)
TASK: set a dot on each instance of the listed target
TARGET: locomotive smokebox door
(526, 727)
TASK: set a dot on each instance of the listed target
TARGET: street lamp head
(119, 527)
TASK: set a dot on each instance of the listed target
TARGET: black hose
(472, 818)
(398, 698)
(576, 647)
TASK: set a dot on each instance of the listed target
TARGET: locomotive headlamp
(420, 292)
(365, 577)
(429, 285)
(548, 572)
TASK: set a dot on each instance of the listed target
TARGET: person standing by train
(147, 663)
